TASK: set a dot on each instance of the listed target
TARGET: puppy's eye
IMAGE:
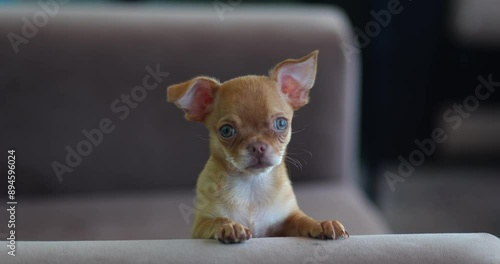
(280, 124)
(227, 131)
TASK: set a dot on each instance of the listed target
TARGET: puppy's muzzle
(257, 149)
(260, 155)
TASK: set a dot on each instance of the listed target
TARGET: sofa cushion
(81, 65)
(169, 215)
(383, 249)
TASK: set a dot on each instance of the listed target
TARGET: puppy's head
(249, 118)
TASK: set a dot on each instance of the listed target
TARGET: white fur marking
(258, 204)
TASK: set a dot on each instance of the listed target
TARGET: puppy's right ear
(195, 97)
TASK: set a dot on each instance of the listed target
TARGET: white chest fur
(256, 202)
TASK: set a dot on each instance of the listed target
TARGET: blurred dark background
(427, 59)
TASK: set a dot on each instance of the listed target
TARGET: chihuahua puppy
(244, 189)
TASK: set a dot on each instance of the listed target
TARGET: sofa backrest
(71, 79)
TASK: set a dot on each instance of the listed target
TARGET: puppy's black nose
(257, 148)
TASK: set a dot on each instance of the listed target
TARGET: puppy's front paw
(328, 230)
(233, 233)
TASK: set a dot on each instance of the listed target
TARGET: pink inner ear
(201, 100)
(291, 87)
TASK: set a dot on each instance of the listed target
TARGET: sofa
(106, 169)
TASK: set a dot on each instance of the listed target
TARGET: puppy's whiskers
(308, 152)
(202, 138)
(294, 162)
(299, 130)
(300, 156)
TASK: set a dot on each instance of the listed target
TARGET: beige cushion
(86, 58)
(159, 215)
(378, 249)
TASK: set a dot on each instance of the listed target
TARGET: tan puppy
(244, 189)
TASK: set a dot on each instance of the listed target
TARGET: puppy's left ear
(296, 77)
(195, 97)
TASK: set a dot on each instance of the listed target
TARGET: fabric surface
(66, 78)
(449, 200)
(170, 215)
(383, 249)
(475, 23)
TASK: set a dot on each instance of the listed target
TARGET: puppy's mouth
(259, 163)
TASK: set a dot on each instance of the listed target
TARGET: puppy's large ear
(296, 77)
(195, 97)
